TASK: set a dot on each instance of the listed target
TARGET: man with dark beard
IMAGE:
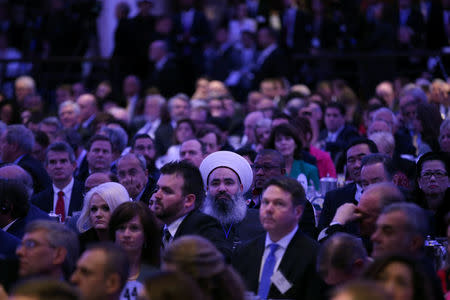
(227, 176)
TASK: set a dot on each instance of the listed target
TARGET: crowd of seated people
(159, 192)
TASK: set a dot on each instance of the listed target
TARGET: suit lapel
(255, 263)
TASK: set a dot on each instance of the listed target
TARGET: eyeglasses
(31, 244)
(264, 167)
(438, 174)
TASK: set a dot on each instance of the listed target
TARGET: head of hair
(46, 289)
(41, 138)
(304, 127)
(199, 258)
(286, 130)
(14, 200)
(59, 236)
(388, 192)
(358, 141)
(60, 147)
(384, 140)
(15, 172)
(127, 211)
(247, 151)
(340, 251)
(421, 281)
(375, 158)
(118, 137)
(172, 285)
(430, 118)
(361, 290)
(192, 179)
(180, 96)
(210, 129)
(276, 157)
(21, 136)
(429, 156)
(182, 121)
(416, 218)
(52, 121)
(116, 260)
(96, 138)
(139, 157)
(140, 136)
(337, 105)
(290, 185)
(113, 193)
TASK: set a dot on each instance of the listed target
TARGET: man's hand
(346, 213)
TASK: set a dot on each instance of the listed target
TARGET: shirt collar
(284, 242)
(173, 227)
(66, 190)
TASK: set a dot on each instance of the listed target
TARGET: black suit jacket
(163, 138)
(245, 230)
(275, 65)
(44, 200)
(342, 141)
(41, 180)
(8, 245)
(198, 223)
(334, 199)
(298, 266)
(167, 79)
(18, 227)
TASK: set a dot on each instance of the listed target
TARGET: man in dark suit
(179, 192)
(165, 74)
(337, 134)
(65, 195)
(281, 263)
(268, 164)
(16, 144)
(8, 244)
(133, 175)
(271, 62)
(227, 176)
(15, 209)
(351, 193)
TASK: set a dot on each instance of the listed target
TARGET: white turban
(231, 160)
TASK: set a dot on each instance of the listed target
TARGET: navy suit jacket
(198, 223)
(18, 227)
(334, 199)
(41, 180)
(298, 266)
(8, 245)
(44, 200)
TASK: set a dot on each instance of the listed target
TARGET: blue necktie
(264, 285)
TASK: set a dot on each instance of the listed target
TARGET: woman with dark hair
(284, 139)
(427, 123)
(171, 286)
(432, 192)
(402, 277)
(325, 165)
(198, 258)
(133, 226)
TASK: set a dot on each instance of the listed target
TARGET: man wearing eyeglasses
(47, 249)
(434, 194)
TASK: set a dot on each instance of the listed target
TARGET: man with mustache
(227, 176)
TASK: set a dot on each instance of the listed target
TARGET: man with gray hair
(47, 249)
(133, 175)
(65, 195)
(16, 145)
(69, 114)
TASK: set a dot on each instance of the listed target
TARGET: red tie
(60, 206)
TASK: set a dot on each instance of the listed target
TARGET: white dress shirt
(279, 253)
